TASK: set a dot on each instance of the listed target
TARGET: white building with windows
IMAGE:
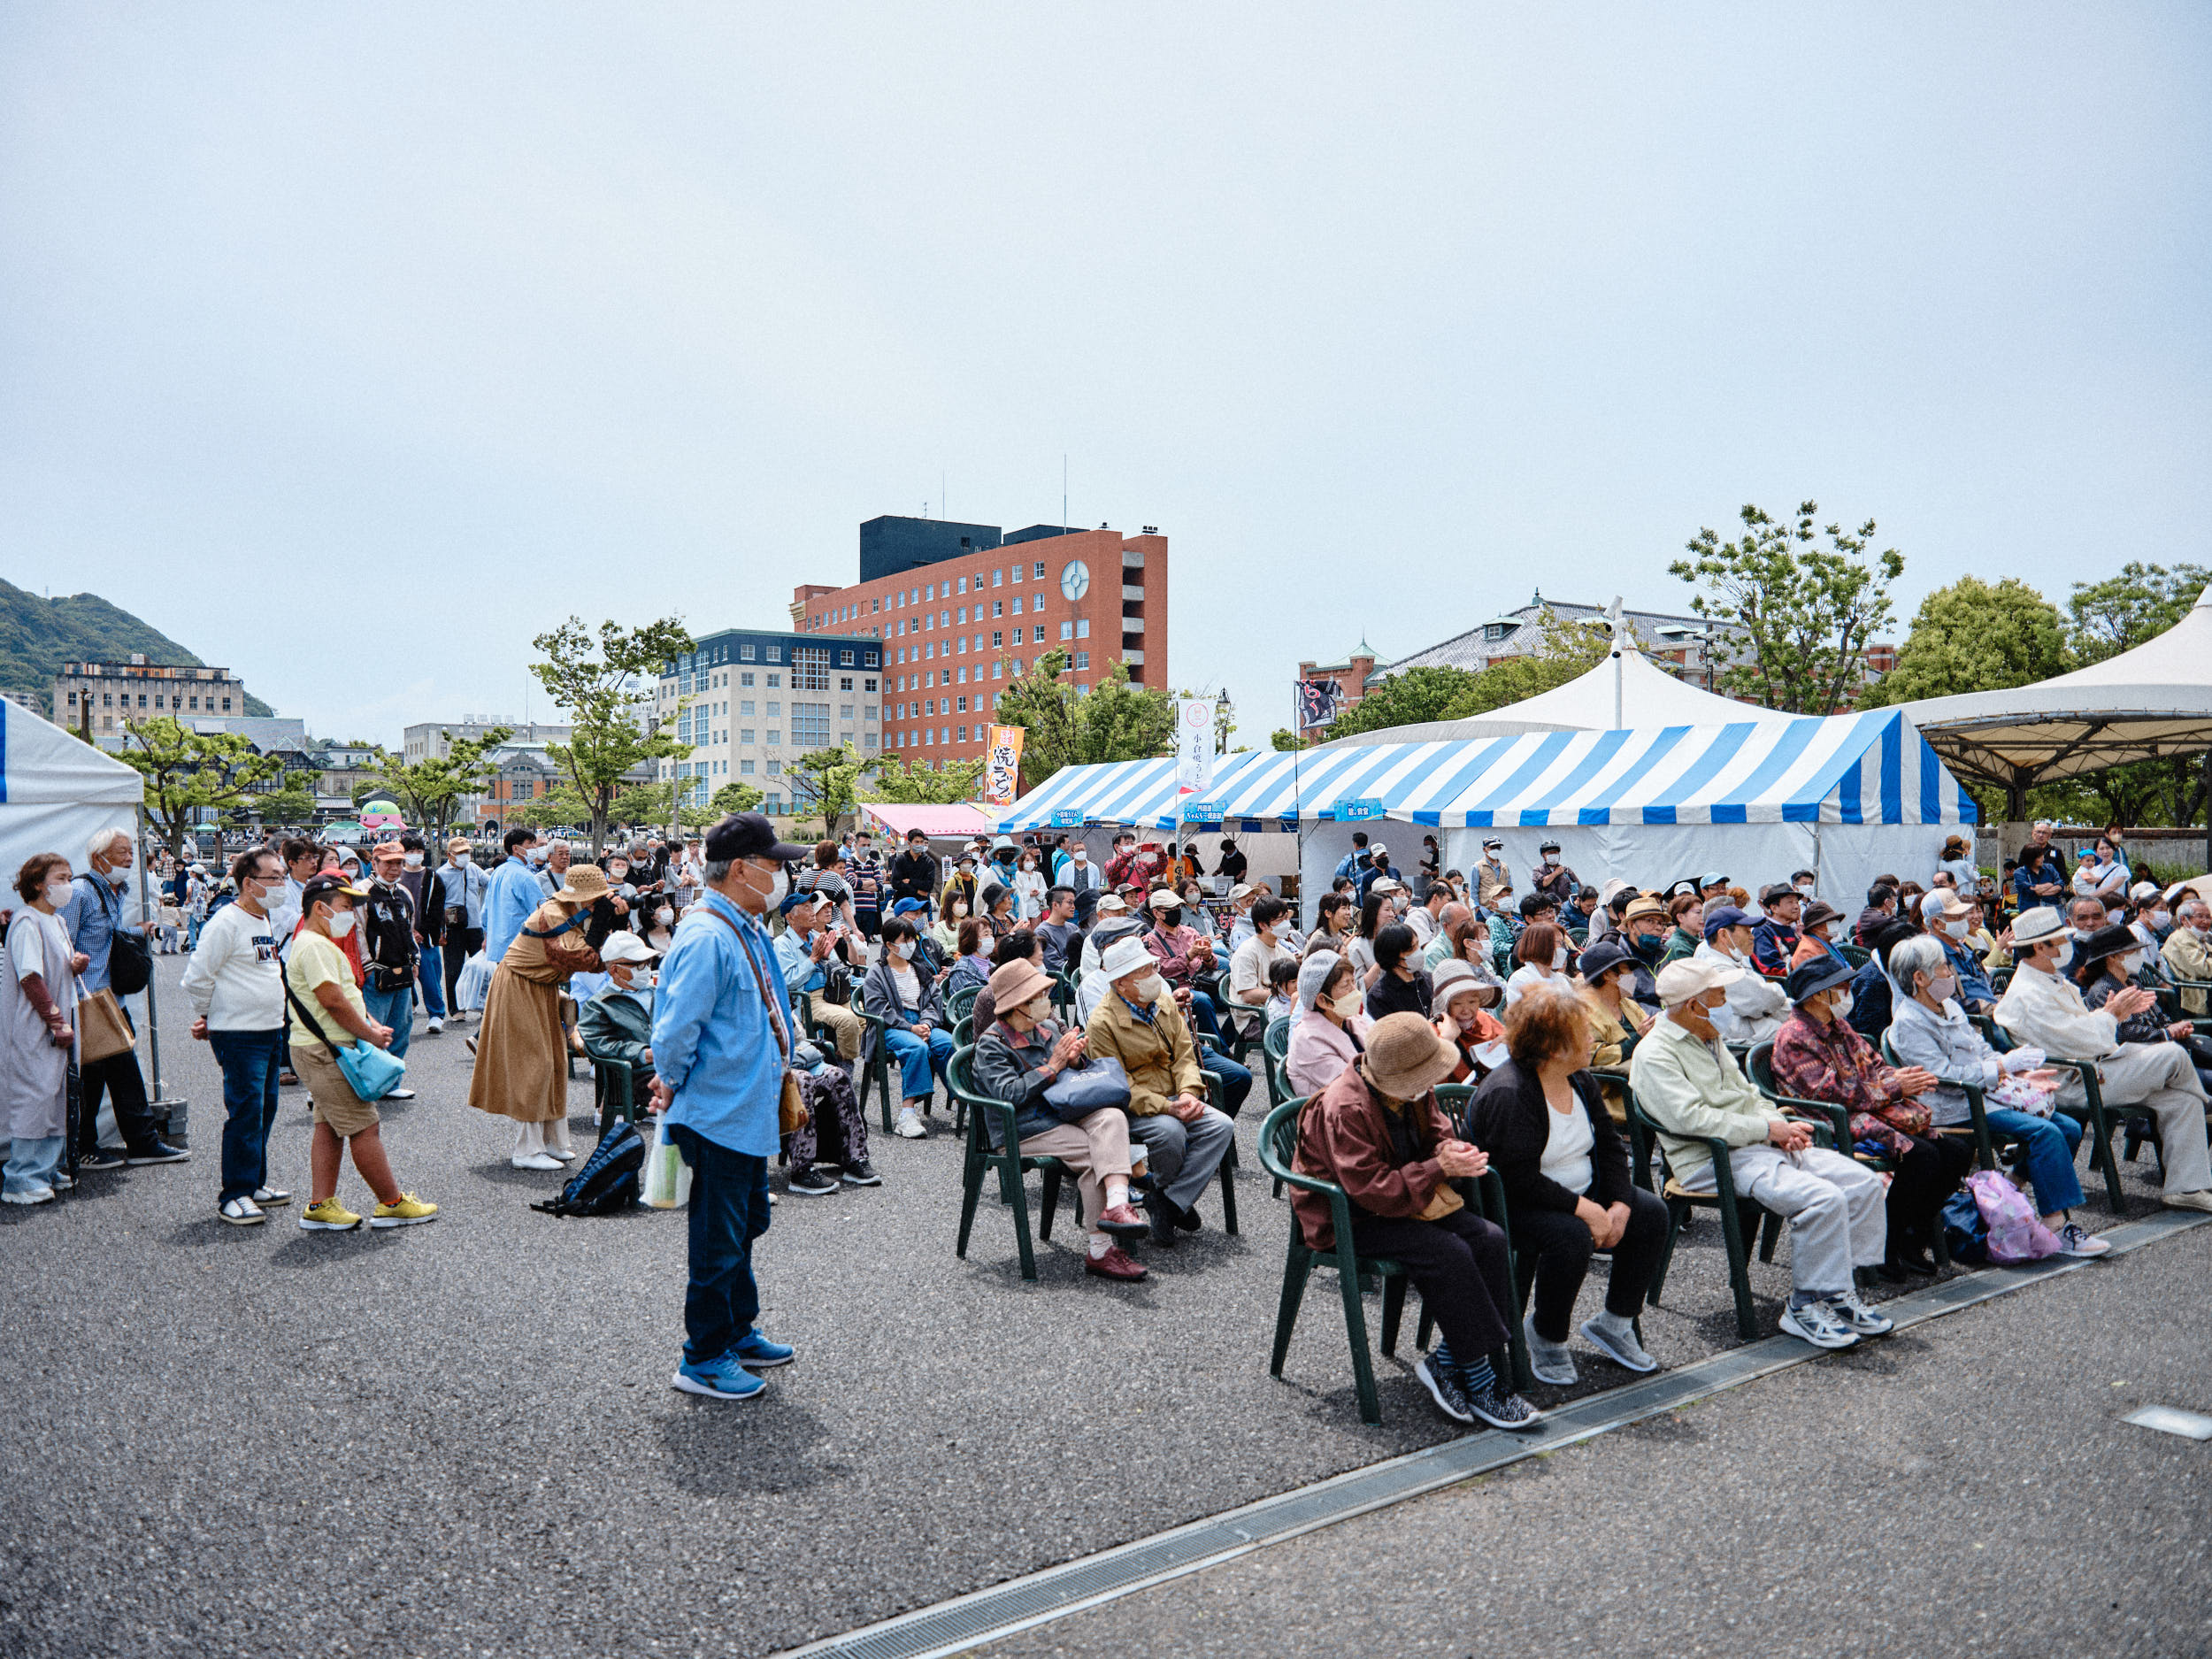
(750, 702)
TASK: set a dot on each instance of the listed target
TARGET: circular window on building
(1075, 578)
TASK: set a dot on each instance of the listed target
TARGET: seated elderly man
(1818, 1057)
(1377, 1131)
(2188, 952)
(1948, 918)
(1931, 1031)
(1688, 1083)
(808, 948)
(1136, 1022)
(617, 1020)
(1019, 1057)
(2043, 1008)
(1755, 1010)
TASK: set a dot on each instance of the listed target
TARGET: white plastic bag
(667, 1176)
(473, 985)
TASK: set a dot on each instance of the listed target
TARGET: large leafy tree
(190, 773)
(824, 781)
(606, 688)
(1417, 695)
(1975, 635)
(735, 798)
(290, 800)
(912, 783)
(1115, 720)
(431, 790)
(1804, 612)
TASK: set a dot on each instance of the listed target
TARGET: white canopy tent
(1627, 689)
(2151, 703)
(56, 790)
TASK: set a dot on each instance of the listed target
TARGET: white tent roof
(2153, 700)
(43, 766)
(1648, 696)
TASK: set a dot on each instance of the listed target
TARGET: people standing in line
(326, 1009)
(521, 1055)
(459, 889)
(514, 892)
(388, 953)
(38, 1008)
(235, 985)
(720, 1042)
(96, 913)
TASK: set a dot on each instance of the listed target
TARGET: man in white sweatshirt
(236, 985)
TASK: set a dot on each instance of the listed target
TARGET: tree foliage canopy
(607, 690)
(915, 784)
(188, 772)
(431, 789)
(1805, 611)
(1975, 636)
(1115, 720)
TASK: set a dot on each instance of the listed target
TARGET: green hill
(38, 635)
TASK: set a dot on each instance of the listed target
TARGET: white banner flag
(1193, 745)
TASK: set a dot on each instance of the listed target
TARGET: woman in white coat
(38, 1011)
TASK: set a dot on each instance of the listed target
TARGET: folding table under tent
(1849, 797)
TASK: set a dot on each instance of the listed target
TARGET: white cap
(1692, 976)
(1124, 955)
(627, 947)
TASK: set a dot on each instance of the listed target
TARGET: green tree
(607, 688)
(188, 773)
(291, 801)
(1975, 636)
(1043, 706)
(735, 798)
(1806, 612)
(919, 784)
(1115, 720)
(2123, 612)
(823, 782)
(1284, 741)
(431, 790)
(1412, 698)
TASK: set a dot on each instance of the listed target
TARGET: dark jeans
(729, 1210)
(249, 1060)
(119, 1077)
(1236, 1080)
(1926, 1176)
(460, 944)
(1458, 1264)
(1561, 1246)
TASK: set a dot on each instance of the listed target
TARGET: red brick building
(960, 608)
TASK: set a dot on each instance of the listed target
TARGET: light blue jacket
(712, 1043)
(513, 896)
(95, 914)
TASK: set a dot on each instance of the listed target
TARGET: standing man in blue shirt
(513, 895)
(99, 908)
(720, 1036)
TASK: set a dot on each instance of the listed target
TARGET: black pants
(1926, 1176)
(118, 1078)
(1561, 1246)
(1458, 1264)
(460, 944)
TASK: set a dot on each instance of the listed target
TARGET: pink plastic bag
(2015, 1233)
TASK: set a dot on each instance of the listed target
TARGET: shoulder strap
(314, 1020)
(760, 980)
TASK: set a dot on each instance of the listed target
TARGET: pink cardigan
(1319, 1049)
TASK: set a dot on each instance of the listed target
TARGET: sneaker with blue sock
(760, 1352)
(722, 1379)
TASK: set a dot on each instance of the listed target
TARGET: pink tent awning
(955, 822)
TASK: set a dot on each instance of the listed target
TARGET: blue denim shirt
(463, 886)
(795, 961)
(92, 915)
(513, 896)
(712, 1043)
(1973, 980)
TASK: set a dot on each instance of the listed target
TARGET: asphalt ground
(1965, 1487)
(460, 1437)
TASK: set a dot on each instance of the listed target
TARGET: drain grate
(967, 1622)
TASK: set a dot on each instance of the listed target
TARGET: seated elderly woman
(1818, 1057)
(1928, 1029)
(1568, 1194)
(1019, 1057)
(1331, 1021)
(914, 1027)
(1462, 1005)
(1136, 1022)
(1377, 1133)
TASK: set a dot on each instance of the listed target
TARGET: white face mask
(904, 949)
(2065, 956)
(779, 884)
(58, 892)
(664, 915)
(984, 944)
(462, 859)
(1954, 929)
(2161, 919)
(341, 924)
(413, 861)
(1841, 1006)
(1149, 987)
(1944, 987)
(643, 979)
(2131, 964)
(1805, 889)
(1559, 958)
(1039, 1009)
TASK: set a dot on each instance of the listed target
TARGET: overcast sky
(352, 346)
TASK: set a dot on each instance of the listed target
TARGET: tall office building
(961, 608)
(757, 701)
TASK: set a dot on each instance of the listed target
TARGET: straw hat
(586, 884)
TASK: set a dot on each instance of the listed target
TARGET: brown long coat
(521, 1058)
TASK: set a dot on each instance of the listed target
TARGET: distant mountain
(38, 635)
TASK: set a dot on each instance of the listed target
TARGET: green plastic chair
(1759, 1068)
(1741, 1219)
(614, 1089)
(2098, 1121)
(878, 1063)
(958, 1001)
(1275, 1056)
(1857, 955)
(1985, 1139)
(979, 1160)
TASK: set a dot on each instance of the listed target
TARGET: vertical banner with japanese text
(1003, 765)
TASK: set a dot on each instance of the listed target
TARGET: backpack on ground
(2015, 1234)
(609, 1182)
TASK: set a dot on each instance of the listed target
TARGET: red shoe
(1123, 1222)
(1115, 1263)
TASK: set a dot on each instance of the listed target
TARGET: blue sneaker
(722, 1379)
(759, 1352)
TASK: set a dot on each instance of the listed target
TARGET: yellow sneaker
(408, 1212)
(329, 1216)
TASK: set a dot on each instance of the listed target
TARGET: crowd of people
(746, 983)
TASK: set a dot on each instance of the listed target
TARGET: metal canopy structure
(2152, 702)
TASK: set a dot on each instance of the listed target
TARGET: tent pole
(2208, 809)
(172, 1114)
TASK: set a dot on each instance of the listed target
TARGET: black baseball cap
(749, 835)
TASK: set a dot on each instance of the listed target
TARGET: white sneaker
(267, 1197)
(1821, 1324)
(2073, 1241)
(535, 1161)
(241, 1212)
(434, 1025)
(2187, 1201)
(565, 1154)
(36, 1195)
(1865, 1320)
(909, 1126)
